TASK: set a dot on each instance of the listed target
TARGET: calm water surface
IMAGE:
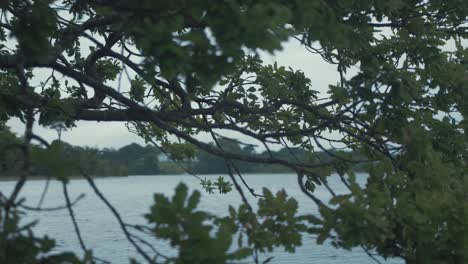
(134, 195)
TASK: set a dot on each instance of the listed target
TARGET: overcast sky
(116, 135)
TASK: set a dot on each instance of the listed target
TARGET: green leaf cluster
(201, 237)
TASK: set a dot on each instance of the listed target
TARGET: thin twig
(57, 208)
(236, 184)
(72, 216)
(26, 162)
(371, 256)
(251, 190)
(117, 216)
(44, 192)
(149, 245)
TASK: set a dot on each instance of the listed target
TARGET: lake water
(133, 196)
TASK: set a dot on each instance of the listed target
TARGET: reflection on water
(133, 197)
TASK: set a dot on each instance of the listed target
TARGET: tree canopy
(174, 69)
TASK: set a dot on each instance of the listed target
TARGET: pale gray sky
(115, 134)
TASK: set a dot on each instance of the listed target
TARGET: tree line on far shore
(134, 159)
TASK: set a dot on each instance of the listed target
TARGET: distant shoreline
(41, 178)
